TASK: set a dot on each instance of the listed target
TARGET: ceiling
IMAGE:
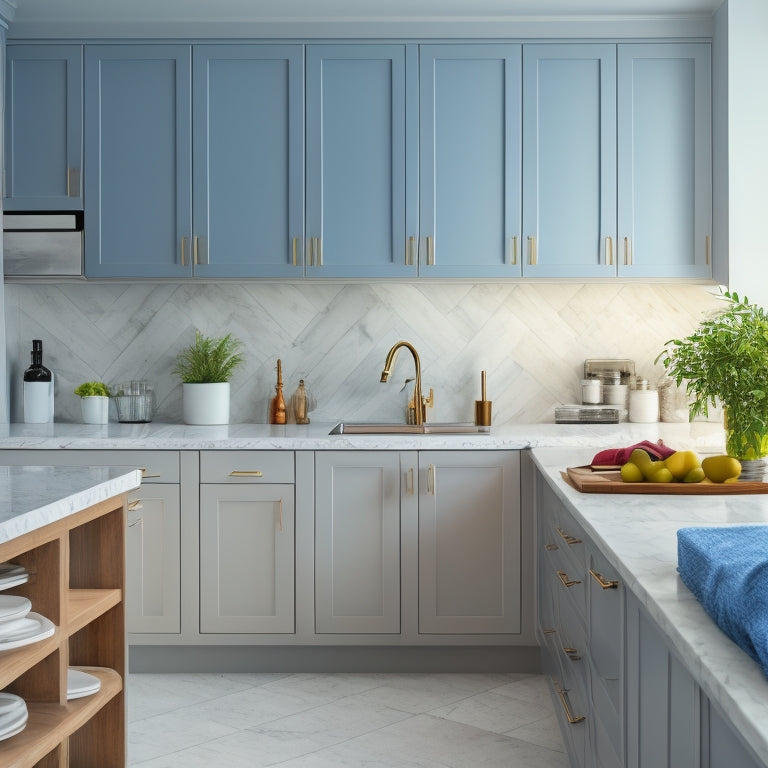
(132, 11)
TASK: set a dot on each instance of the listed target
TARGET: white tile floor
(342, 720)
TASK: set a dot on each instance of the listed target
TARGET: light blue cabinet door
(43, 128)
(569, 160)
(360, 199)
(469, 156)
(248, 160)
(138, 212)
(665, 160)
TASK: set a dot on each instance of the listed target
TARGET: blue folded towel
(727, 569)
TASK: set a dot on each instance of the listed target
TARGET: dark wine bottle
(37, 371)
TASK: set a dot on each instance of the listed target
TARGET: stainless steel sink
(376, 428)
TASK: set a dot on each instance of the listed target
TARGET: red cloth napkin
(614, 457)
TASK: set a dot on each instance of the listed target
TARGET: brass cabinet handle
(135, 504)
(609, 250)
(135, 522)
(533, 256)
(144, 473)
(183, 256)
(409, 481)
(310, 252)
(602, 581)
(294, 249)
(707, 246)
(319, 251)
(430, 251)
(246, 473)
(567, 537)
(410, 250)
(572, 654)
(627, 252)
(563, 576)
(549, 631)
(513, 250)
(194, 250)
(431, 480)
(73, 182)
(550, 547)
(563, 695)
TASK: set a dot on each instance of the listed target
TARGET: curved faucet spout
(389, 363)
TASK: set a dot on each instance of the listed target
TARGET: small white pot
(206, 403)
(95, 409)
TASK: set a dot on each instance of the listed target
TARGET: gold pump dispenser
(483, 406)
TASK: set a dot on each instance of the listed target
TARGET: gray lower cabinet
(623, 697)
(153, 560)
(357, 541)
(469, 542)
(247, 582)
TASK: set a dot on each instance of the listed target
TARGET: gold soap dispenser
(483, 406)
(302, 402)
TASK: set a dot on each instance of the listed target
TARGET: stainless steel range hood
(43, 244)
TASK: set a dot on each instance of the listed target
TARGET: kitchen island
(635, 535)
(63, 529)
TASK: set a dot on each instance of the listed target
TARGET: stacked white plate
(18, 625)
(13, 715)
(11, 575)
(81, 684)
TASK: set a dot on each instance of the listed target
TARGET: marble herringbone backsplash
(531, 338)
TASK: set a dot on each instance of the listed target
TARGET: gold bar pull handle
(548, 631)
(410, 251)
(183, 252)
(563, 696)
(144, 473)
(319, 251)
(409, 481)
(246, 473)
(194, 250)
(567, 538)
(431, 480)
(550, 547)
(430, 251)
(73, 182)
(533, 256)
(602, 581)
(572, 654)
(563, 576)
(513, 242)
(295, 251)
(311, 252)
(708, 248)
(135, 504)
(627, 252)
(609, 251)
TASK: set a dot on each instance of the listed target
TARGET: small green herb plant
(726, 359)
(209, 360)
(92, 389)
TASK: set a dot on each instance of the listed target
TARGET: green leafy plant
(92, 389)
(209, 360)
(726, 359)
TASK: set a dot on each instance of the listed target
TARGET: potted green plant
(205, 368)
(726, 359)
(94, 400)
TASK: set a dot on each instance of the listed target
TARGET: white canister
(591, 391)
(38, 402)
(643, 404)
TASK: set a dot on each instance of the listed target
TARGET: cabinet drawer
(246, 467)
(156, 466)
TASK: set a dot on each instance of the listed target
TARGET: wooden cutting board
(587, 480)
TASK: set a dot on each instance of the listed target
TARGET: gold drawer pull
(563, 576)
(572, 654)
(246, 473)
(563, 694)
(602, 581)
(550, 547)
(549, 631)
(135, 504)
(144, 473)
(568, 538)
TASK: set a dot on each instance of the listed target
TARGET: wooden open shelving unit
(77, 580)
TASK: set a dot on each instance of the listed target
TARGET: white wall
(747, 36)
(532, 338)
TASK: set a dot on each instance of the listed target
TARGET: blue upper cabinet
(138, 212)
(665, 160)
(43, 128)
(248, 160)
(469, 157)
(361, 122)
(569, 160)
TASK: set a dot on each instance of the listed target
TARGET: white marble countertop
(637, 534)
(32, 497)
(701, 436)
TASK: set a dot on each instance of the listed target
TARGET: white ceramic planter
(206, 403)
(95, 409)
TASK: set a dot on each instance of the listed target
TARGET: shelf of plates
(76, 570)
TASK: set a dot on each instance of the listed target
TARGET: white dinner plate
(11, 575)
(10, 703)
(81, 684)
(12, 727)
(34, 629)
(13, 607)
